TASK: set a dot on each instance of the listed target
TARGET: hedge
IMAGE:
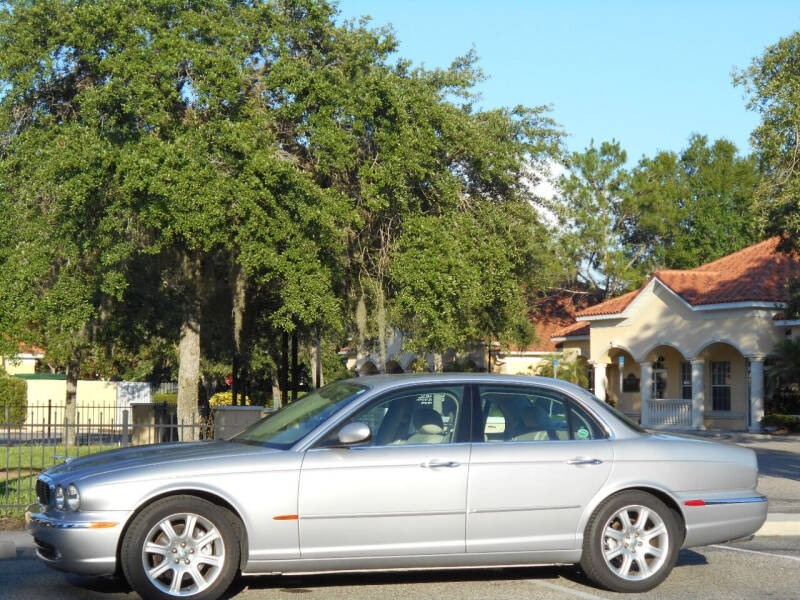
(13, 399)
(790, 423)
(168, 398)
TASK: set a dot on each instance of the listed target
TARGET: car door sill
(412, 562)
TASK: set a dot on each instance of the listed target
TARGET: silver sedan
(401, 472)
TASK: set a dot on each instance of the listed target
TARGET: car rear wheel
(631, 542)
(181, 547)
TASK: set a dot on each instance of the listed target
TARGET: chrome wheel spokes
(183, 554)
(635, 542)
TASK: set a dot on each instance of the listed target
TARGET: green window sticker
(582, 433)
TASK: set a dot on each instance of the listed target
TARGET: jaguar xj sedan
(401, 472)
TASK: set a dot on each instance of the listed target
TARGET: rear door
(537, 460)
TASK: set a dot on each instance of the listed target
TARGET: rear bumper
(78, 543)
(723, 519)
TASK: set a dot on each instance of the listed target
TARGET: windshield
(289, 425)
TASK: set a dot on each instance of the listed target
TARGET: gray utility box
(153, 423)
(230, 420)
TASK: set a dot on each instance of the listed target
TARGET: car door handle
(433, 464)
(584, 461)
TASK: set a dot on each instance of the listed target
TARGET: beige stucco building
(687, 350)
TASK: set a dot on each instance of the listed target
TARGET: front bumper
(83, 543)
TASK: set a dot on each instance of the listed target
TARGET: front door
(530, 483)
(402, 493)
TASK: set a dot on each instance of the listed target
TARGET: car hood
(153, 456)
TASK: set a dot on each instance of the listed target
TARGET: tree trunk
(315, 354)
(276, 391)
(284, 384)
(189, 351)
(295, 369)
(438, 362)
(239, 284)
(70, 408)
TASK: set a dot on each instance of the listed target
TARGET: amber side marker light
(695, 503)
(102, 525)
(286, 518)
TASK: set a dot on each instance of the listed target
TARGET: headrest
(534, 417)
(427, 420)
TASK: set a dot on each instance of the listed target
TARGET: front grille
(43, 492)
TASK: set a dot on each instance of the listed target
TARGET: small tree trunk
(276, 391)
(71, 404)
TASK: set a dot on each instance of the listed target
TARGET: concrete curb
(781, 524)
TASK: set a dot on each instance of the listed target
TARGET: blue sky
(645, 73)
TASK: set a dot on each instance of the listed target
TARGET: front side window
(414, 416)
(526, 414)
(296, 420)
(721, 385)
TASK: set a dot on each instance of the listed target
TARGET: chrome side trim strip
(748, 500)
(520, 509)
(44, 520)
(430, 513)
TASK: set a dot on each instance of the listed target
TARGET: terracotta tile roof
(579, 328)
(755, 274)
(551, 314)
(610, 307)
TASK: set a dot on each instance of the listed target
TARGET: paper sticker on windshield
(582, 433)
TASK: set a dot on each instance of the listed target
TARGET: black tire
(630, 563)
(188, 561)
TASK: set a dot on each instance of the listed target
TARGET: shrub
(168, 398)
(789, 423)
(13, 399)
(224, 399)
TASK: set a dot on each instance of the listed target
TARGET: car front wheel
(631, 542)
(181, 546)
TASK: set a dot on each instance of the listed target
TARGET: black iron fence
(47, 436)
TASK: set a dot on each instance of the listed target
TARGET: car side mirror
(354, 433)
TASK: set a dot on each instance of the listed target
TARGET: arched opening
(393, 367)
(726, 385)
(623, 381)
(368, 368)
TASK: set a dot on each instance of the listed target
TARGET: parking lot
(766, 568)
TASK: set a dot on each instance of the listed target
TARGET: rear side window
(532, 414)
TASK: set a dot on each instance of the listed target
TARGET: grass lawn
(20, 465)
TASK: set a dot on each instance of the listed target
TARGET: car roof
(379, 382)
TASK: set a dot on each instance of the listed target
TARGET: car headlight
(73, 497)
(68, 498)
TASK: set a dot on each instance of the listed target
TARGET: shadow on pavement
(306, 583)
(778, 464)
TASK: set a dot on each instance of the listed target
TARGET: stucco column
(647, 389)
(756, 392)
(698, 393)
(600, 380)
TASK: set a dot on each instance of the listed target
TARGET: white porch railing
(670, 413)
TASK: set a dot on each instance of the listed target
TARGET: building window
(721, 385)
(686, 381)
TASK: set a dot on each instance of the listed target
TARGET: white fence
(670, 413)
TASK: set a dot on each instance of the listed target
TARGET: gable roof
(755, 274)
(576, 329)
